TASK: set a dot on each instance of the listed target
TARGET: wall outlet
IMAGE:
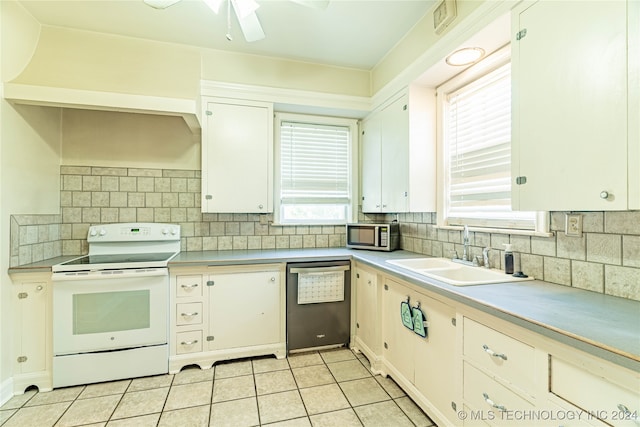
(573, 225)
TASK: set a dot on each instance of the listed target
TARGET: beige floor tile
(188, 395)
(338, 355)
(233, 369)
(235, 413)
(274, 382)
(147, 383)
(390, 386)
(363, 391)
(344, 418)
(305, 359)
(280, 406)
(19, 400)
(348, 370)
(193, 374)
(198, 416)
(324, 398)
(269, 364)
(414, 412)
(104, 389)
(86, 411)
(382, 414)
(143, 402)
(233, 388)
(150, 420)
(55, 396)
(311, 376)
(296, 422)
(41, 416)
(6, 414)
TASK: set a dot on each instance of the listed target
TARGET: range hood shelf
(105, 101)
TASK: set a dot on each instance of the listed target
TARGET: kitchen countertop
(602, 325)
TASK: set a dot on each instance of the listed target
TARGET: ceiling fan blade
(249, 24)
(315, 4)
(160, 4)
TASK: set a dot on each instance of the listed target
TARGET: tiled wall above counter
(606, 259)
(93, 195)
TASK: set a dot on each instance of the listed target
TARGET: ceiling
(348, 33)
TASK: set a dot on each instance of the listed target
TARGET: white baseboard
(6, 390)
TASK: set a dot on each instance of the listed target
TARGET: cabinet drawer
(189, 286)
(506, 357)
(189, 314)
(601, 397)
(189, 342)
(490, 401)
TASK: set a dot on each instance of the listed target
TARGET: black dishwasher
(318, 305)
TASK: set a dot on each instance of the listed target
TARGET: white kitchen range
(110, 306)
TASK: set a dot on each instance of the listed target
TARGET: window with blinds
(477, 154)
(314, 173)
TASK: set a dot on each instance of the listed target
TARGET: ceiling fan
(245, 11)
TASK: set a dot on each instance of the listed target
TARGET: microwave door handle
(376, 238)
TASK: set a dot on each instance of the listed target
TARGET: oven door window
(111, 311)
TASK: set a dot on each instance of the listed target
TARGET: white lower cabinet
(424, 366)
(32, 357)
(222, 313)
(367, 336)
(474, 369)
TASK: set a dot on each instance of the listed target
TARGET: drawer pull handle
(195, 285)
(493, 353)
(195, 313)
(189, 342)
(492, 403)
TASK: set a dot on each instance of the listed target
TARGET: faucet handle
(454, 254)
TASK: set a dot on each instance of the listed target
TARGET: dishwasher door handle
(311, 270)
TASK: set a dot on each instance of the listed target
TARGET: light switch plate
(573, 225)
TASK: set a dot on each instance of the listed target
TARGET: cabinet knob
(604, 195)
(273, 279)
(260, 206)
(39, 288)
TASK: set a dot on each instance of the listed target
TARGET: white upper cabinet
(398, 154)
(575, 106)
(237, 156)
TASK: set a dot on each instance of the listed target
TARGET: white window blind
(314, 172)
(478, 154)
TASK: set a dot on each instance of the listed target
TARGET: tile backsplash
(606, 259)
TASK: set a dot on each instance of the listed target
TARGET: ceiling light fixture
(465, 56)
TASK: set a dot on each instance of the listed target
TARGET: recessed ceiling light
(465, 56)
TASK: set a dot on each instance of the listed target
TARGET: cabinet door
(31, 338)
(371, 164)
(398, 341)
(237, 157)
(244, 309)
(570, 106)
(435, 370)
(366, 308)
(395, 156)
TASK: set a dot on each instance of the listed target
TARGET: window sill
(499, 230)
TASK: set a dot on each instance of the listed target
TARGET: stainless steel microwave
(376, 237)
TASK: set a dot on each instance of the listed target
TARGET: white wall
(29, 161)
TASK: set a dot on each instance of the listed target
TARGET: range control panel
(133, 232)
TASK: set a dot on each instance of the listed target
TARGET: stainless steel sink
(454, 273)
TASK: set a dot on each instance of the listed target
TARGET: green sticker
(405, 314)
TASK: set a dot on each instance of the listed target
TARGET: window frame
(352, 124)
(506, 226)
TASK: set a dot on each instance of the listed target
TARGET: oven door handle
(108, 274)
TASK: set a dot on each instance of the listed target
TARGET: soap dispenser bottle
(508, 259)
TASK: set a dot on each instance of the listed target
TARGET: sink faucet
(465, 242)
(485, 257)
